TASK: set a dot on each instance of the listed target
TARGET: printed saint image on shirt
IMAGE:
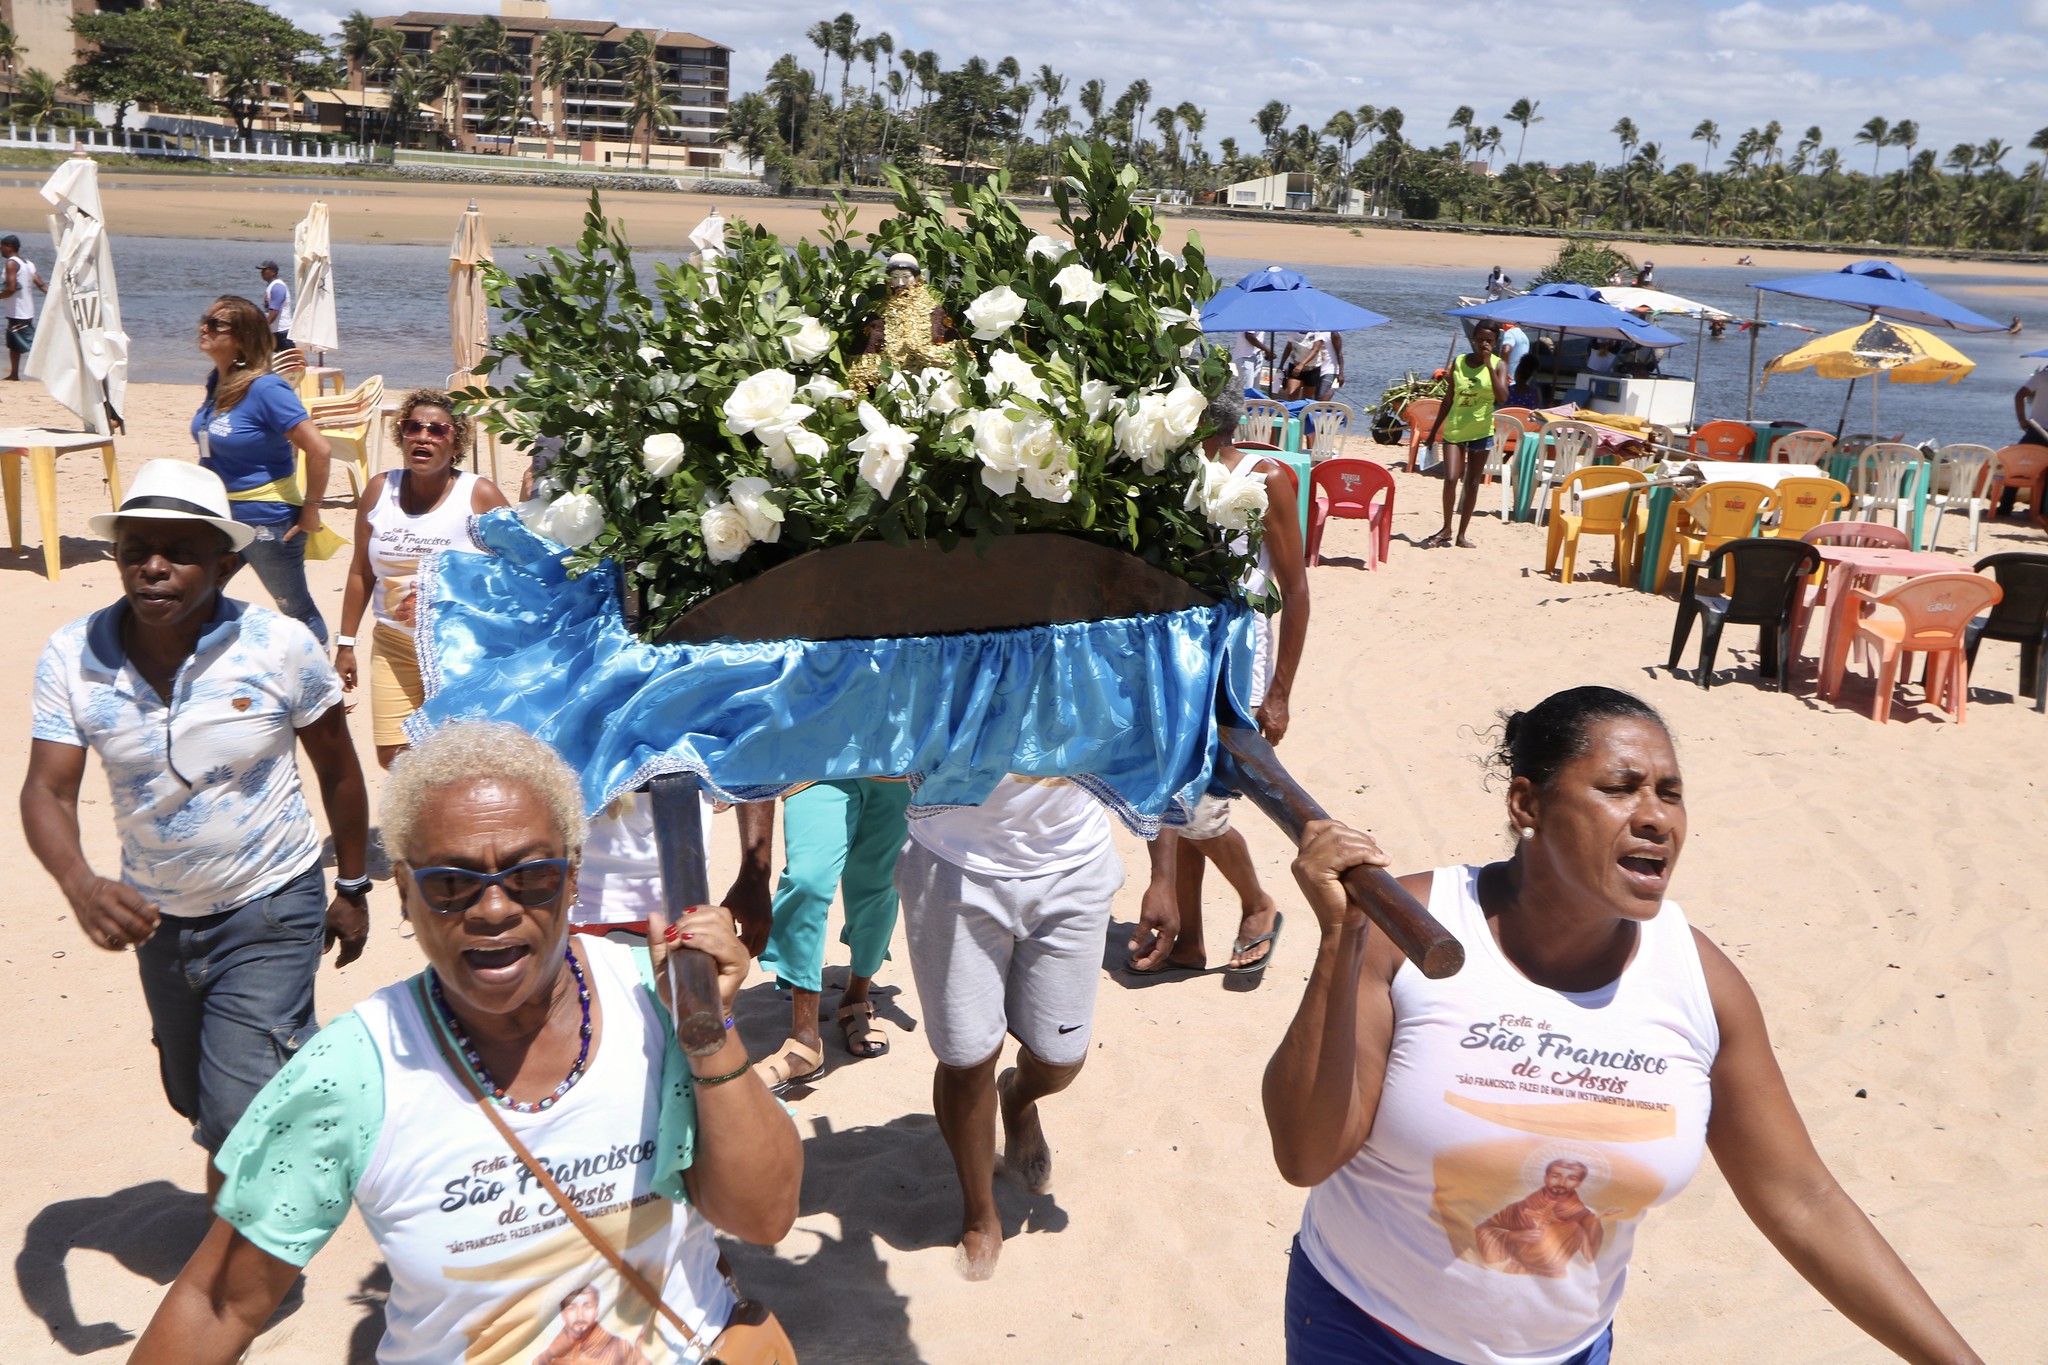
(1530, 1206)
(583, 1340)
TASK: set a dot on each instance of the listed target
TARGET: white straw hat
(172, 490)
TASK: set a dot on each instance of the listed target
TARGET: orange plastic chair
(1420, 416)
(1931, 616)
(1346, 486)
(1523, 415)
(2024, 468)
(1723, 440)
(1806, 503)
(1802, 447)
(1715, 515)
(1572, 515)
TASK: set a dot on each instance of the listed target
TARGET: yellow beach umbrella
(469, 312)
(1902, 354)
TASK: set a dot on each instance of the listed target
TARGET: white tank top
(21, 304)
(398, 541)
(1521, 1135)
(482, 1262)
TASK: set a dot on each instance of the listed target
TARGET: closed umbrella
(1902, 354)
(313, 277)
(80, 352)
(469, 311)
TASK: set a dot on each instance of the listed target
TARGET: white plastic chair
(1507, 439)
(1961, 479)
(1572, 446)
(1802, 447)
(1327, 424)
(1263, 423)
(1879, 480)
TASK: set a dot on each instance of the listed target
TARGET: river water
(392, 311)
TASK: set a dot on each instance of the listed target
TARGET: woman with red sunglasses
(421, 507)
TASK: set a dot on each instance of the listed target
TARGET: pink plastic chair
(1357, 489)
(1933, 615)
(1874, 534)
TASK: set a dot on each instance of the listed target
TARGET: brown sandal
(862, 1032)
(782, 1069)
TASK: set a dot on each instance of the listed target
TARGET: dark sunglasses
(214, 324)
(434, 429)
(452, 890)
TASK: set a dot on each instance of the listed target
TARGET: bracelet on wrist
(353, 887)
(344, 642)
(704, 1081)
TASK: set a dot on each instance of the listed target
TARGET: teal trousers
(844, 835)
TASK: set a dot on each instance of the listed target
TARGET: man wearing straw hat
(196, 704)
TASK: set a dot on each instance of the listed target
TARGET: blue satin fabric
(1126, 708)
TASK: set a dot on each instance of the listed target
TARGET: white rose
(1184, 409)
(762, 400)
(995, 444)
(995, 312)
(725, 533)
(533, 512)
(574, 520)
(1077, 285)
(810, 340)
(820, 388)
(1142, 434)
(1097, 398)
(884, 450)
(1008, 371)
(650, 354)
(762, 515)
(784, 442)
(1227, 497)
(946, 395)
(1046, 248)
(662, 453)
(1048, 460)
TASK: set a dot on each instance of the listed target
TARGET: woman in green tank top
(1478, 384)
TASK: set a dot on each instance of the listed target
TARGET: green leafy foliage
(1080, 417)
(1582, 260)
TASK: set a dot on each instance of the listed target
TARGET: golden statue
(911, 330)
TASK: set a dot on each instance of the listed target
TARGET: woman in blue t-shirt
(250, 430)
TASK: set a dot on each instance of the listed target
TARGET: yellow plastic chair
(1713, 516)
(349, 423)
(1806, 503)
(1573, 514)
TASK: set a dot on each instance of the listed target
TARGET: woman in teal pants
(844, 834)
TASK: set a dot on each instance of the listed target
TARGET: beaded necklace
(475, 1058)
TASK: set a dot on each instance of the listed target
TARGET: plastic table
(1297, 460)
(42, 448)
(1847, 564)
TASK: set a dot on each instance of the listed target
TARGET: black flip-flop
(1271, 939)
(1166, 968)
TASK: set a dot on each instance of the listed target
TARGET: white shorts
(996, 955)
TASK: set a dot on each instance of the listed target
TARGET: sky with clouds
(1965, 70)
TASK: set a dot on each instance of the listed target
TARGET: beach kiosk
(927, 505)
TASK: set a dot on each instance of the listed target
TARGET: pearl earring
(1528, 833)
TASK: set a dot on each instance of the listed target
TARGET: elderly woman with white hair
(425, 1104)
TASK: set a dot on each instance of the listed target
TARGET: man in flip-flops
(836, 834)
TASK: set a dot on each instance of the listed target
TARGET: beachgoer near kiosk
(252, 430)
(844, 834)
(20, 282)
(1208, 837)
(1478, 385)
(1004, 908)
(277, 306)
(563, 1040)
(404, 515)
(195, 704)
(1514, 347)
(1302, 364)
(1481, 1149)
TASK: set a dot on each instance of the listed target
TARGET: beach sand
(1880, 885)
(264, 209)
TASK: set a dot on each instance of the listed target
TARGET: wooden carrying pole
(1249, 763)
(685, 885)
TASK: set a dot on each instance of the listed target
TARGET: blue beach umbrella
(1881, 287)
(1572, 309)
(1278, 300)
(2029, 355)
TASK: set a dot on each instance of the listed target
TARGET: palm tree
(821, 36)
(1962, 157)
(356, 42)
(789, 87)
(1194, 120)
(1906, 133)
(1167, 119)
(1877, 133)
(637, 67)
(447, 71)
(1461, 119)
(1343, 130)
(1051, 85)
(557, 53)
(845, 30)
(2037, 143)
(35, 98)
(1271, 121)
(1091, 97)
(1139, 94)
(407, 89)
(505, 105)
(1809, 143)
(1626, 134)
(1524, 113)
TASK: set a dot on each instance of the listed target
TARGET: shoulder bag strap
(626, 1270)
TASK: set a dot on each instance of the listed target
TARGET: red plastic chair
(1933, 618)
(1724, 440)
(1357, 489)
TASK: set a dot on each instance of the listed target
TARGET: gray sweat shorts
(996, 955)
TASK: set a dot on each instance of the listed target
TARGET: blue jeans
(281, 566)
(230, 999)
(1325, 1328)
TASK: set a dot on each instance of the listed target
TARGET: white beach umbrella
(313, 259)
(469, 311)
(80, 351)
